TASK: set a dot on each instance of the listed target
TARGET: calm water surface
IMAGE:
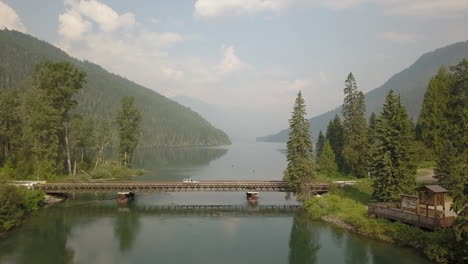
(95, 229)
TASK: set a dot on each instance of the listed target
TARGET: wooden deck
(432, 221)
(146, 187)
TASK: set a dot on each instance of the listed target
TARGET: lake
(94, 228)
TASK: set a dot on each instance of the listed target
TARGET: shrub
(15, 202)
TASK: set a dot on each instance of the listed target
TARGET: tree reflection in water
(127, 225)
(46, 242)
(304, 242)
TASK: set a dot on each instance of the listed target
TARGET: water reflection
(106, 232)
(45, 241)
(304, 242)
(126, 226)
(155, 159)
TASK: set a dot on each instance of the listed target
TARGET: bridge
(153, 186)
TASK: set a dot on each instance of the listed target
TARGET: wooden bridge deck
(146, 187)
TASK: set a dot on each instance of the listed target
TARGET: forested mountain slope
(165, 122)
(411, 84)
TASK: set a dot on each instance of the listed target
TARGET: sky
(246, 54)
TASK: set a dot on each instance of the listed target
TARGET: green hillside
(411, 84)
(165, 122)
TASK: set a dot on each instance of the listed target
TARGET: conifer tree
(320, 144)
(301, 167)
(371, 130)
(129, 126)
(326, 162)
(334, 135)
(431, 119)
(392, 159)
(452, 147)
(356, 147)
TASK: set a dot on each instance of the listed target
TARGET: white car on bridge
(190, 181)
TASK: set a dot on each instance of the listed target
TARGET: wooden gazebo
(421, 210)
(431, 196)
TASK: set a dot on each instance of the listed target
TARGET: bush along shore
(346, 208)
(16, 203)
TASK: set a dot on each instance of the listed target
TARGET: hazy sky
(247, 53)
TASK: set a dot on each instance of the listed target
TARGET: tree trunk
(67, 148)
(74, 169)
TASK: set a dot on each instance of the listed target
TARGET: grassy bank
(347, 208)
(16, 203)
(107, 171)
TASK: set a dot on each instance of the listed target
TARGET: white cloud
(220, 8)
(72, 26)
(299, 84)
(107, 19)
(217, 8)
(94, 31)
(399, 37)
(230, 61)
(10, 19)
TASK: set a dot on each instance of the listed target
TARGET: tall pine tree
(392, 163)
(431, 119)
(320, 144)
(371, 130)
(356, 145)
(326, 162)
(301, 167)
(452, 148)
(334, 135)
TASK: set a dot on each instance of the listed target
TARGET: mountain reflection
(152, 159)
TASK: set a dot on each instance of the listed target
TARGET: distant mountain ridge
(165, 122)
(411, 84)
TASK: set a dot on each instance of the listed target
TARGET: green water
(95, 229)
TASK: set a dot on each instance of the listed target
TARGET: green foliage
(431, 119)
(347, 208)
(355, 139)
(15, 203)
(372, 128)
(319, 145)
(165, 122)
(452, 151)
(42, 128)
(301, 167)
(334, 135)
(392, 163)
(129, 126)
(326, 161)
(424, 156)
(111, 171)
(451, 148)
